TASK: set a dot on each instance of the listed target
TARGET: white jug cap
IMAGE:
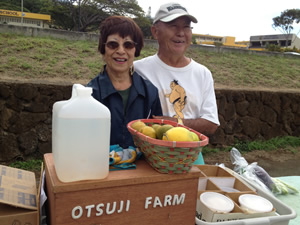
(255, 203)
(217, 202)
(74, 89)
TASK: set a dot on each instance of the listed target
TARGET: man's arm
(201, 125)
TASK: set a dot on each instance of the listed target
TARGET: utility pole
(149, 13)
(79, 16)
(22, 12)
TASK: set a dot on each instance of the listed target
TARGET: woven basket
(170, 157)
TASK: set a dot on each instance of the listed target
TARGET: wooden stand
(138, 196)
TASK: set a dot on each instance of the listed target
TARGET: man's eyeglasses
(114, 45)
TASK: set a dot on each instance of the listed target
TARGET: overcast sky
(238, 18)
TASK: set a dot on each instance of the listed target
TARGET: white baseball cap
(172, 11)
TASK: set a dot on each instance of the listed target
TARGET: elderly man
(172, 29)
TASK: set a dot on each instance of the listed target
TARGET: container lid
(84, 91)
(255, 203)
(74, 89)
(217, 202)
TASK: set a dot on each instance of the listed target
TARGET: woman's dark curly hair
(123, 26)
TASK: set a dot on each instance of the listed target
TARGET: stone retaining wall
(256, 115)
(26, 116)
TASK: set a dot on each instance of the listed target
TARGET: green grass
(48, 58)
(30, 165)
(269, 145)
(244, 70)
(289, 143)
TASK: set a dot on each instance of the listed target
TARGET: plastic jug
(56, 107)
(81, 137)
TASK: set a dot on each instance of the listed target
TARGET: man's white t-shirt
(186, 92)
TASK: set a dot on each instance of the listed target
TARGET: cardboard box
(19, 198)
(213, 171)
(212, 176)
(221, 178)
(216, 179)
(231, 183)
(206, 214)
(220, 183)
(207, 184)
(139, 196)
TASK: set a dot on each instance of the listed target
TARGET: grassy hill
(78, 61)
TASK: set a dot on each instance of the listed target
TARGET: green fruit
(138, 125)
(163, 129)
(148, 131)
(156, 127)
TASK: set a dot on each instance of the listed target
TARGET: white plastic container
(255, 204)
(81, 137)
(217, 202)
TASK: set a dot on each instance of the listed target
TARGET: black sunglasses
(114, 45)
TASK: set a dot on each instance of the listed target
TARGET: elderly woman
(118, 86)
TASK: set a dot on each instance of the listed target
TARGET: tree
(33, 6)
(145, 24)
(82, 15)
(14, 5)
(94, 12)
(194, 42)
(285, 22)
(61, 15)
(86, 15)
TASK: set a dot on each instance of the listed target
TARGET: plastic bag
(256, 175)
(247, 171)
(123, 159)
(264, 176)
(283, 188)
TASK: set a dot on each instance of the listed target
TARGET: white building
(261, 41)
